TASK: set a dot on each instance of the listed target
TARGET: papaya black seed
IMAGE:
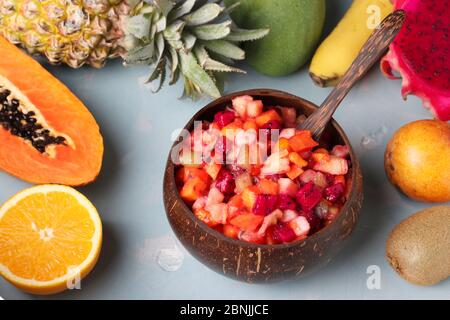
(24, 125)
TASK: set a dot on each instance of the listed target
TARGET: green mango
(295, 29)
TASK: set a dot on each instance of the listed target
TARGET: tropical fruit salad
(252, 176)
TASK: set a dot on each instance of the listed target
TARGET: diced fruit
(224, 118)
(308, 176)
(308, 196)
(286, 202)
(254, 108)
(276, 163)
(289, 116)
(231, 130)
(200, 203)
(231, 231)
(332, 212)
(265, 117)
(249, 196)
(225, 181)
(320, 157)
(288, 215)
(205, 216)
(243, 181)
(321, 180)
(221, 149)
(300, 226)
(321, 210)
(236, 201)
(251, 236)
(294, 172)
(240, 105)
(283, 233)
(250, 124)
(265, 204)
(334, 192)
(219, 212)
(287, 186)
(213, 169)
(270, 220)
(267, 186)
(193, 189)
(236, 170)
(314, 221)
(214, 196)
(340, 151)
(339, 179)
(321, 150)
(287, 133)
(332, 165)
(296, 159)
(191, 159)
(247, 222)
(282, 144)
(302, 141)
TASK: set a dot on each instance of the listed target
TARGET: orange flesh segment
(44, 235)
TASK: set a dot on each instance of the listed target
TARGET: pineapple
(192, 39)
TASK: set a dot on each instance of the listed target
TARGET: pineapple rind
(74, 32)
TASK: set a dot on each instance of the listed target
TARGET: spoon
(372, 50)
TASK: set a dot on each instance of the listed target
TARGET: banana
(337, 52)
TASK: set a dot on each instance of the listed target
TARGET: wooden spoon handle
(371, 52)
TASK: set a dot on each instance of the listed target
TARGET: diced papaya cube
(230, 231)
(249, 196)
(193, 172)
(302, 141)
(205, 216)
(294, 172)
(297, 159)
(282, 144)
(267, 186)
(236, 201)
(247, 222)
(267, 116)
(250, 124)
(193, 189)
(213, 169)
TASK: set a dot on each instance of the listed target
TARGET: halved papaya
(47, 135)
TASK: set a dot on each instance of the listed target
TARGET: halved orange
(50, 237)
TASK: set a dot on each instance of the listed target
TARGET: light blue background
(137, 128)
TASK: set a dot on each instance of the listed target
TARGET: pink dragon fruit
(420, 54)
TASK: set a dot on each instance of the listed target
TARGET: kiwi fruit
(419, 247)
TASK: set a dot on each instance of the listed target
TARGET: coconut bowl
(263, 263)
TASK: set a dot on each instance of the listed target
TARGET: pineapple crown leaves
(193, 39)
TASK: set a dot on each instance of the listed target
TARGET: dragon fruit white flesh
(420, 54)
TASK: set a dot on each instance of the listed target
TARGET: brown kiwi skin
(418, 248)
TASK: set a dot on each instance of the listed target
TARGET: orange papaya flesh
(47, 135)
